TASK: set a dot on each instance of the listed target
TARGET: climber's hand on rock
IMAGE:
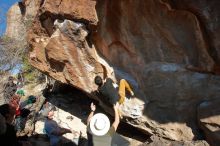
(116, 106)
(93, 107)
(132, 93)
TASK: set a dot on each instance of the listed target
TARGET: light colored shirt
(51, 126)
(104, 140)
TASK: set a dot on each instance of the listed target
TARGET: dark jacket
(109, 92)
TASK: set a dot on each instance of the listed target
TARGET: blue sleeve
(49, 128)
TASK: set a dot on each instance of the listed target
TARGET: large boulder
(15, 27)
(209, 120)
(20, 17)
(158, 141)
(167, 50)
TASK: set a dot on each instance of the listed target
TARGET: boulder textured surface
(158, 141)
(167, 50)
(209, 120)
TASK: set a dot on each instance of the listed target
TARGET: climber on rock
(111, 92)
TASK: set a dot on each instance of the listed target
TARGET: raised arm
(61, 131)
(117, 118)
(93, 108)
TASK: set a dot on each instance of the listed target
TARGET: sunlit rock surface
(168, 51)
(20, 17)
(158, 141)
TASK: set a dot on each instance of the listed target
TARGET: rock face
(20, 17)
(209, 120)
(15, 27)
(158, 141)
(167, 50)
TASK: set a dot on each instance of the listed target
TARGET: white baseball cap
(99, 124)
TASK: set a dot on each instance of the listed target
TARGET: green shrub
(29, 72)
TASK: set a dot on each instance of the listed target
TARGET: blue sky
(4, 6)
